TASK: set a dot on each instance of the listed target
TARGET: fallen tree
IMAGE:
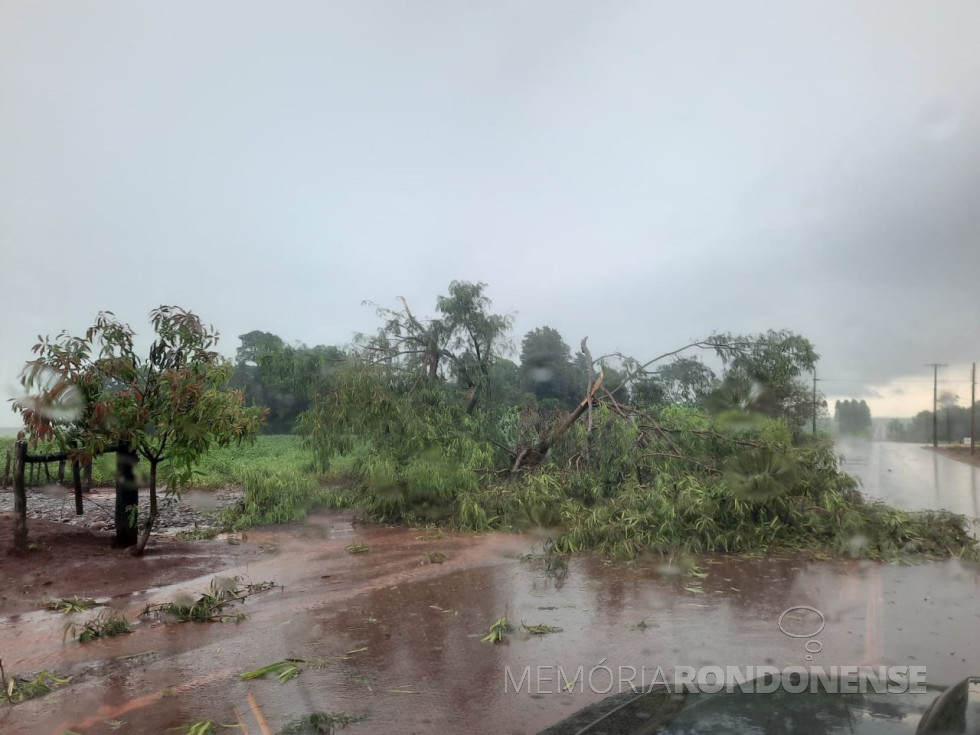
(622, 478)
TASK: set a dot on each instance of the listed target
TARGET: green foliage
(675, 480)
(498, 630)
(204, 533)
(548, 371)
(952, 423)
(93, 393)
(462, 343)
(415, 449)
(275, 496)
(284, 670)
(765, 370)
(686, 381)
(224, 466)
(108, 624)
(281, 378)
(171, 402)
(209, 607)
(20, 689)
(70, 606)
(853, 417)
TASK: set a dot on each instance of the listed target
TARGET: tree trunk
(127, 497)
(531, 456)
(20, 497)
(76, 482)
(148, 526)
(472, 395)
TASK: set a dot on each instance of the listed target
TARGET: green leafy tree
(171, 405)
(548, 371)
(461, 343)
(774, 361)
(686, 381)
(281, 378)
(853, 417)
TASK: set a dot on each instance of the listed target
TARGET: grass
(223, 466)
(617, 513)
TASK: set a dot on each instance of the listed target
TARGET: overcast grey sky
(638, 172)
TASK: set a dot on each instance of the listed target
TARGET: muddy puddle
(395, 633)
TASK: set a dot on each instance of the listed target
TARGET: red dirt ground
(961, 453)
(67, 560)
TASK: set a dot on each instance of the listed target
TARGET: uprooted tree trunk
(148, 526)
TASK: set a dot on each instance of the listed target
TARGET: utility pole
(814, 401)
(973, 410)
(935, 401)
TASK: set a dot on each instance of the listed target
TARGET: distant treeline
(278, 376)
(853, 417)
(953, 424)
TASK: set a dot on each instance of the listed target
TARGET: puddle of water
(400, 635)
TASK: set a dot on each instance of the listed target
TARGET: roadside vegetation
(427, 422)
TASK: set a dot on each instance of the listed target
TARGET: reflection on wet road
(401, 636)
(909, 476)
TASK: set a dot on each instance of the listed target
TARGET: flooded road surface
(910, 476)
(398, 636)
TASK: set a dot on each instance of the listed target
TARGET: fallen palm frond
(320, 723)
(72, 605)
(19, 689)
(359, 549)
(210, 607)
(108, 625)
(539, 629)
(501, 626)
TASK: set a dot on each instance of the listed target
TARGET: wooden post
(20, 497)
(76, 481)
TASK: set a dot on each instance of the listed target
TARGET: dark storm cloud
(641, 173)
